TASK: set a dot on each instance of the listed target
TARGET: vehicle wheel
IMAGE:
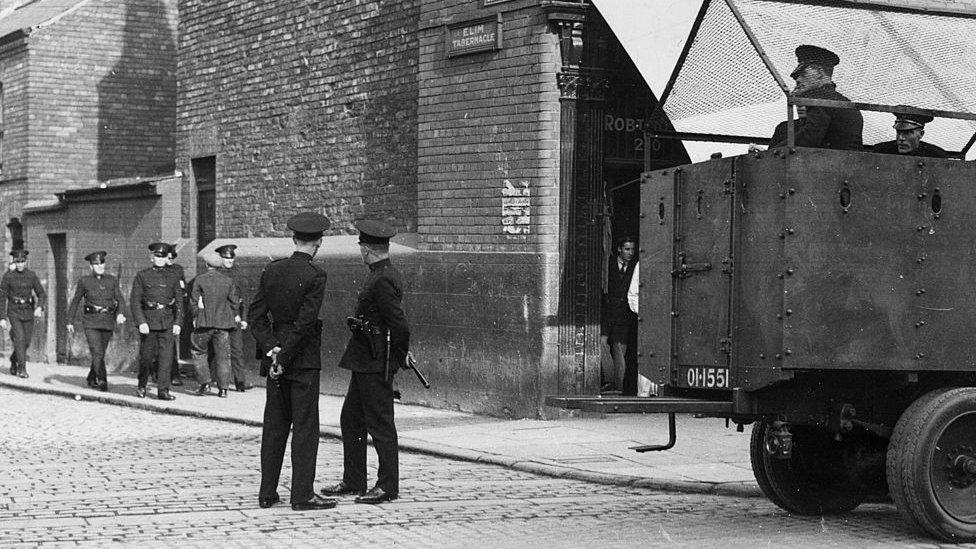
(814, 481)
(932, 463)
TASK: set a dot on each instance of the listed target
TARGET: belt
(22, 301)
(155, 305)
(98, 309)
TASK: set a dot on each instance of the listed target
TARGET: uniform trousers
(97, 343)
(292, 404)
(21, 332)
(368, 408)
(156, 345)
(237, 355)
(623, 348)
(200, 341)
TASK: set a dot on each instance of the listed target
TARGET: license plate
(703, 377)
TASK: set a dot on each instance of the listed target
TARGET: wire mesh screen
(887, 57)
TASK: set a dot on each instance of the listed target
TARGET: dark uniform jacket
(828, 127)
(379, 302)
(218, 296)
(100, 299)
(285, 312)
(18, 289)
(156, 299)
(616, 309)
(924, 149)
(240, 283)
(779, 134)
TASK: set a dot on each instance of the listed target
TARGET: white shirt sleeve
(632, 294)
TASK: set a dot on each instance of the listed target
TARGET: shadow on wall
(137, 99)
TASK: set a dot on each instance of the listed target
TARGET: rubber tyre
(914, 456)
(814, 481)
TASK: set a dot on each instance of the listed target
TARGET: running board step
(642, 405)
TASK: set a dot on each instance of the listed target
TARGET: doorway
(59, 295)
(205, 176)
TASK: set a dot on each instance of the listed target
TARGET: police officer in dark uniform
(157, 308)
(824, 127)
(377, 348)
(909, 129)
(103, 306)
(19, 307)
(176, 271)
(284, 318)
(228, 253)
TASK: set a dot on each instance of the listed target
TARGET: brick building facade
(88, 100)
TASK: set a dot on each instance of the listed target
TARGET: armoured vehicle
(825, 297)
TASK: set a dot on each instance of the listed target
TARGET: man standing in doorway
(19, 308)
(157, 307)
(619, 321)
(377, 348)
(103, 306)
(228, 254)
(284, 317)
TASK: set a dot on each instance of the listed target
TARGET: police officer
(823, 127)
(214, 307)
(102, 305)
(176, 271)
(228, 254)
(285, 323)
(157, 307)
(909, 129)
(378, 346)
(19, 308)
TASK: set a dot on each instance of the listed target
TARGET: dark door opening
(59, 252)
(205, 175)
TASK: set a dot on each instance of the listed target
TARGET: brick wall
(13, 79)
(489, 133)
(306, 105)
(102, 94)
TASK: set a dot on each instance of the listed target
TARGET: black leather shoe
(342, 489)
(204, 389)
(92, 383)
(102, 386)
(376, 495)
(13, 369)
(22, 371)
(222, 393)
(141, 392)
(242, 386)
(315, 504)
(265, 502)
(176, 382)
(163, 394)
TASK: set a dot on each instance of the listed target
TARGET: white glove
(144, 329)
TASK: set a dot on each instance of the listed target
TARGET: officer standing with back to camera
(377, 348)
(99, 296)
(19, 308)
(157, 308)
(228, 254)
(284, 318)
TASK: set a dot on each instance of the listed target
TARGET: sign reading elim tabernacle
(474, 36)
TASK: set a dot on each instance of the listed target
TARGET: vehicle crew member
(284, 318)
(377, 348)
(21, 302)
(157, 308)
(779, 133)
(620, 322)
(909, 129)
(228, 254)
(214, 307)
(176, 271)
(99, 296)
(824, 127)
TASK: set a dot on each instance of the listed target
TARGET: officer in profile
(21, 303)
(377, 348)
(909, 129)
(284, 318)
(824, 127)
(100, 298)
(157, 308)
(228, 254)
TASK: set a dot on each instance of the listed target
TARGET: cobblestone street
(83, 473)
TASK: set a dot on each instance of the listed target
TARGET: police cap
(807, 55)
(172, 251)
(19, 255)
(911, 121)
(372, 231)
(96, 258)
(308, 225)
(159, 249)
(227, 250)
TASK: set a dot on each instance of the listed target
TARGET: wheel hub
(961, 467)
